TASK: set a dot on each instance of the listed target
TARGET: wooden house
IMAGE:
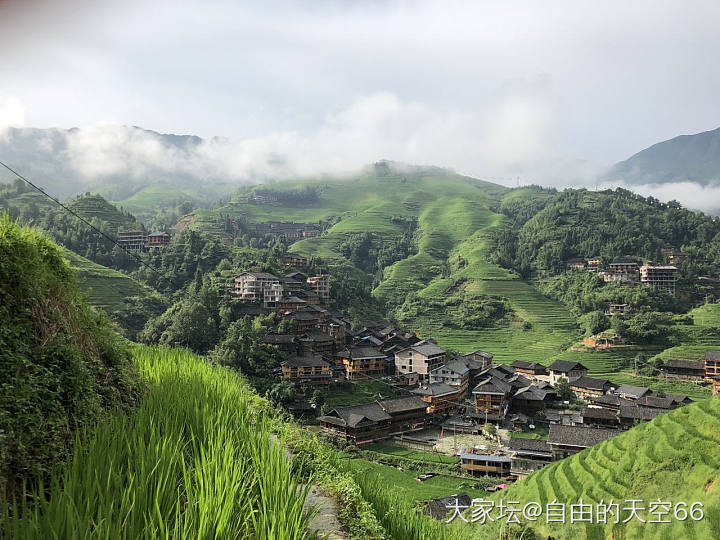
(441, 398)
(683, 369)
(362, 363)
(528, 455)
(532, 369)
(306, 371)
(484, 464)
(586, 388)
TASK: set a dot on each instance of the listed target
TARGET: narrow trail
(326, 522)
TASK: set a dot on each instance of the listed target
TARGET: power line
(86, 222)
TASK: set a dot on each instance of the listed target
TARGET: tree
(282, 394)
(318, 399)
(563, 390)
(594, 322)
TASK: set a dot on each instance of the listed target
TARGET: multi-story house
(251, 285)
(362, 363)
(420, 358)
(320, 285)
(306, 370)
(661, 277)
(455, 373)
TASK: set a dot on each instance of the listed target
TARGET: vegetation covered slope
(446, 286)
(62, 366)
(687, 158)
(675, 457)
(196, 460)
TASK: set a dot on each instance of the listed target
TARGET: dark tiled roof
(636, 412)
(599, 413)
(522, 364)
(610, 399)
(356, 415)
(484, 354)
(304, 316)
(530, 393)
(579, 436)
(490, 386)
(435, 389)
(318, 336)
(531, 445)
(656, 402)
(632, 391)
(684, 364)
(565, 366)
(713, 356)
(454, 366)
(589, 383)
(427, 348)
(360, 352)
(402, 404)
(305, 361)
(278, 339)
(485, 457)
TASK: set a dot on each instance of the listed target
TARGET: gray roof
(403, 404)
(610, 399)
(656, 402)
(590, 383)
(599, 413)
(637, 412)
(684, 364)
(531, 445)
(530, 393)
(492, 386)
(578, 436)
(713, 356)
(263, 275)
(305, 361)
(356, 415)
(565, 366)
(632, 391)
(278, 339)
(485, 457)
(435, 389)
(359, 353)
(426, 348)
(484, 354)
(456, 366)
(522, 364)
(317, 336)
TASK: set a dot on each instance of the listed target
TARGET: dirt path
(326, 521)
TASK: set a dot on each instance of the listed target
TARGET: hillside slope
(687, 158)
(675, 457)
(447, 288)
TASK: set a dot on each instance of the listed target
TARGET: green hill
(675, 458)
(91, 206)
(431, 290)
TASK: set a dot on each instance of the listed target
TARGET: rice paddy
(675, 457)
(196, 460)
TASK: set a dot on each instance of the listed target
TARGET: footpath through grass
(194, 461)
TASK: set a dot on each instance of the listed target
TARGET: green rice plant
(196, 460)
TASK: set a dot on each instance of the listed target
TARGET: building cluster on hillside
(142, 240)
(630, 270)
(291, 292)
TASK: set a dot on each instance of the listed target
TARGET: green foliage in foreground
(675, 457)
(61, 365)
(195, 461)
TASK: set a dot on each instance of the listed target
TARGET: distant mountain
(688, 158)
(119, 162)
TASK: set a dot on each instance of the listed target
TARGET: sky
(549, 92)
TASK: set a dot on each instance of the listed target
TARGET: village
(432, 396)
(504, 420)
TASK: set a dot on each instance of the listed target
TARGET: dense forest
(608, 224)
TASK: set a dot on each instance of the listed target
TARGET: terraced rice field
(106, 288)
(676, 458)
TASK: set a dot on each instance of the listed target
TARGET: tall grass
(194, 461)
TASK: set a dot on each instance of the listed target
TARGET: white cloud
(12, 113)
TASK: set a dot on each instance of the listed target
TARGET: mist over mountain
(118, 161)
(687, 158)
